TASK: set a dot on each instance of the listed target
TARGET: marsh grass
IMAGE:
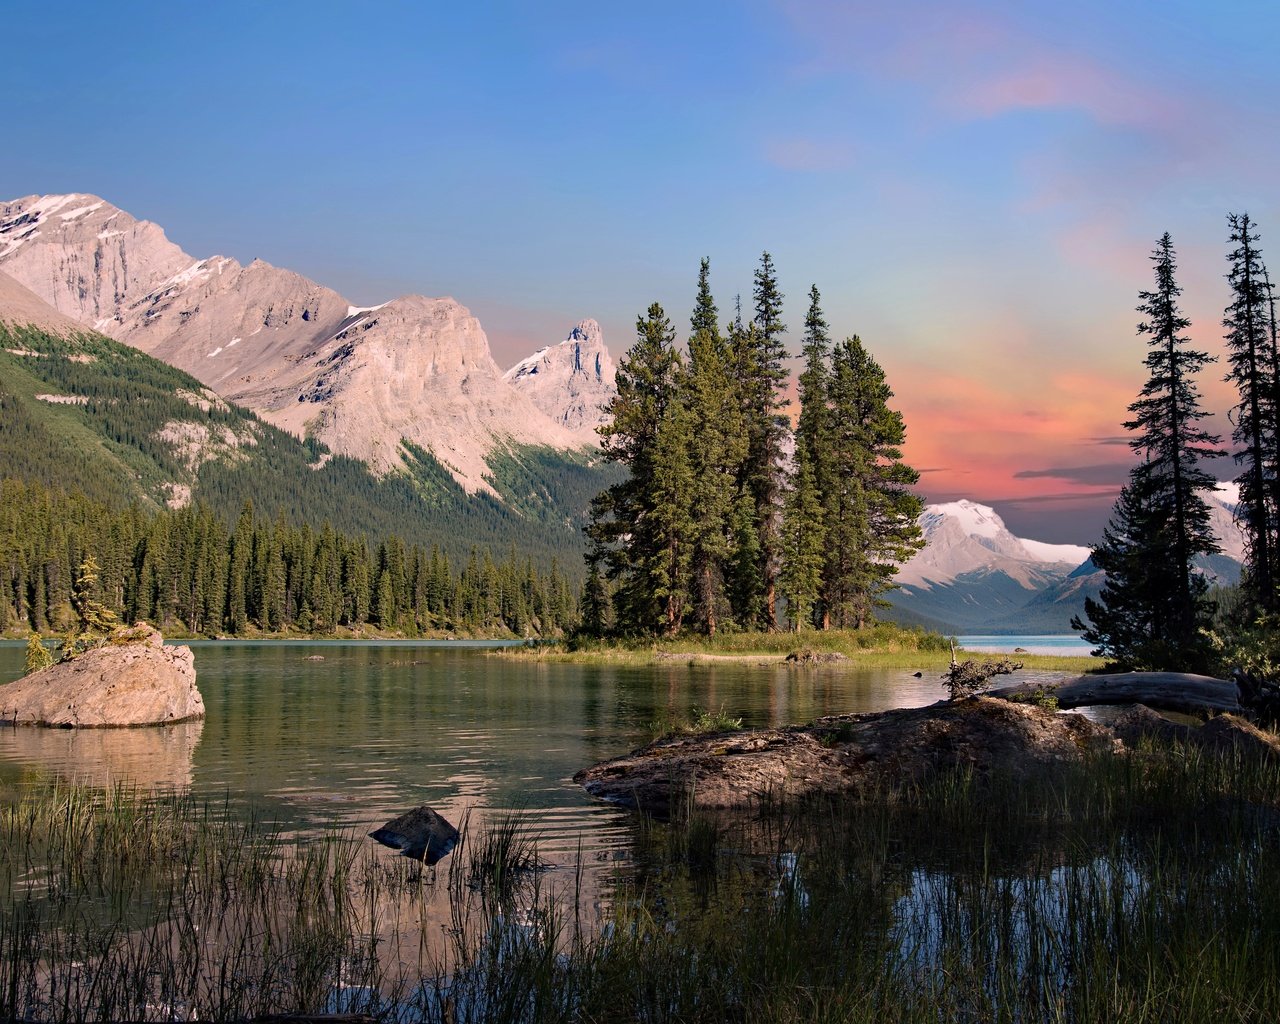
(1136, 888)
(882, 646)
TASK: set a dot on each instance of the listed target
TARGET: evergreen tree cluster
(187, 569)
(1154, 612)
(713, 522)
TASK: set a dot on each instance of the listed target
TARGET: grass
(1137, 888)
(700, 722)
(880, 646)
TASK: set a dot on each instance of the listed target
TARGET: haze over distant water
(974, 188)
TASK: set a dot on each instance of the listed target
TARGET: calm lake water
(377, 728)
(1049, 643)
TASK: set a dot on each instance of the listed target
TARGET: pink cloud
(973, 65)
(1046, 80)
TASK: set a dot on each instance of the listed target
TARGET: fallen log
(1166, 691)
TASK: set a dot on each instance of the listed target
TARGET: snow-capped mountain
(964, 537)
(360, 379)
(974, 574)
(571, 382)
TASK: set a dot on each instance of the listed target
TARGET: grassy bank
(883, 645)
(1133, 888)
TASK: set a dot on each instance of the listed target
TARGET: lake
(1048, 643)
(377, 728)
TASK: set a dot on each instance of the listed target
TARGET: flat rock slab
(833, 755)
(127, 684)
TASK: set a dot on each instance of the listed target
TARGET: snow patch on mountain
(1073, 553)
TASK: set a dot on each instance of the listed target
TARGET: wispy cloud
(1101, 475)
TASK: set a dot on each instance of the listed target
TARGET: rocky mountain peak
(84, 257)
(571, 382)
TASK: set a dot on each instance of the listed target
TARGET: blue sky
(974, 188)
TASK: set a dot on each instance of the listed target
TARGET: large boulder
(134, 680)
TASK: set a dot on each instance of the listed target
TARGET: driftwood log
(1167, 691)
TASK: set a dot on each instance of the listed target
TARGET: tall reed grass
(1136, 888)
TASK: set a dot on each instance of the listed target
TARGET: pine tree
(718, 445)
(669, 562)
(1128, 623)
(625, 537)
(873, 523)
(814, 425)
(804, 538)
(1255, 418)
(1151, 615)
(766, 377)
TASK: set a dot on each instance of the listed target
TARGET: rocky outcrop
(1227, 733)
(834, 755)
(417, 370)
(572, 382)
(363, 380)
(139, 682)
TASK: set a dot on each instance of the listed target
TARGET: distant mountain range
(975, 576)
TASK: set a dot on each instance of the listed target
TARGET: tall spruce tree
(813, 427)
(718, 448)
(873, 522)
(625, 540)
(1152, 613)
(1255, 417)
(804, 539)
(765, 376)
(668, 516)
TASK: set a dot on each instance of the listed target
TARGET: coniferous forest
(717, 525)
(186, 570)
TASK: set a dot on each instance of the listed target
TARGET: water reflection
(374, 729)
(161, 757)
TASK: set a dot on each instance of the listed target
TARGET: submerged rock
(847, 753)
(132, 680)
(421, 834)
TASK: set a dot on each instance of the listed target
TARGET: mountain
(975, 576)
(82, 412)
(376, 383)
(571, 382)
(19, 306)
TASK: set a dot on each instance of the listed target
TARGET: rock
(136, 682)
(834, 755)
(421, 834)
(1225, 733)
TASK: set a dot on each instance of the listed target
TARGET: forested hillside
(89, 415)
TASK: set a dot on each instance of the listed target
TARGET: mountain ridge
(362, 380)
